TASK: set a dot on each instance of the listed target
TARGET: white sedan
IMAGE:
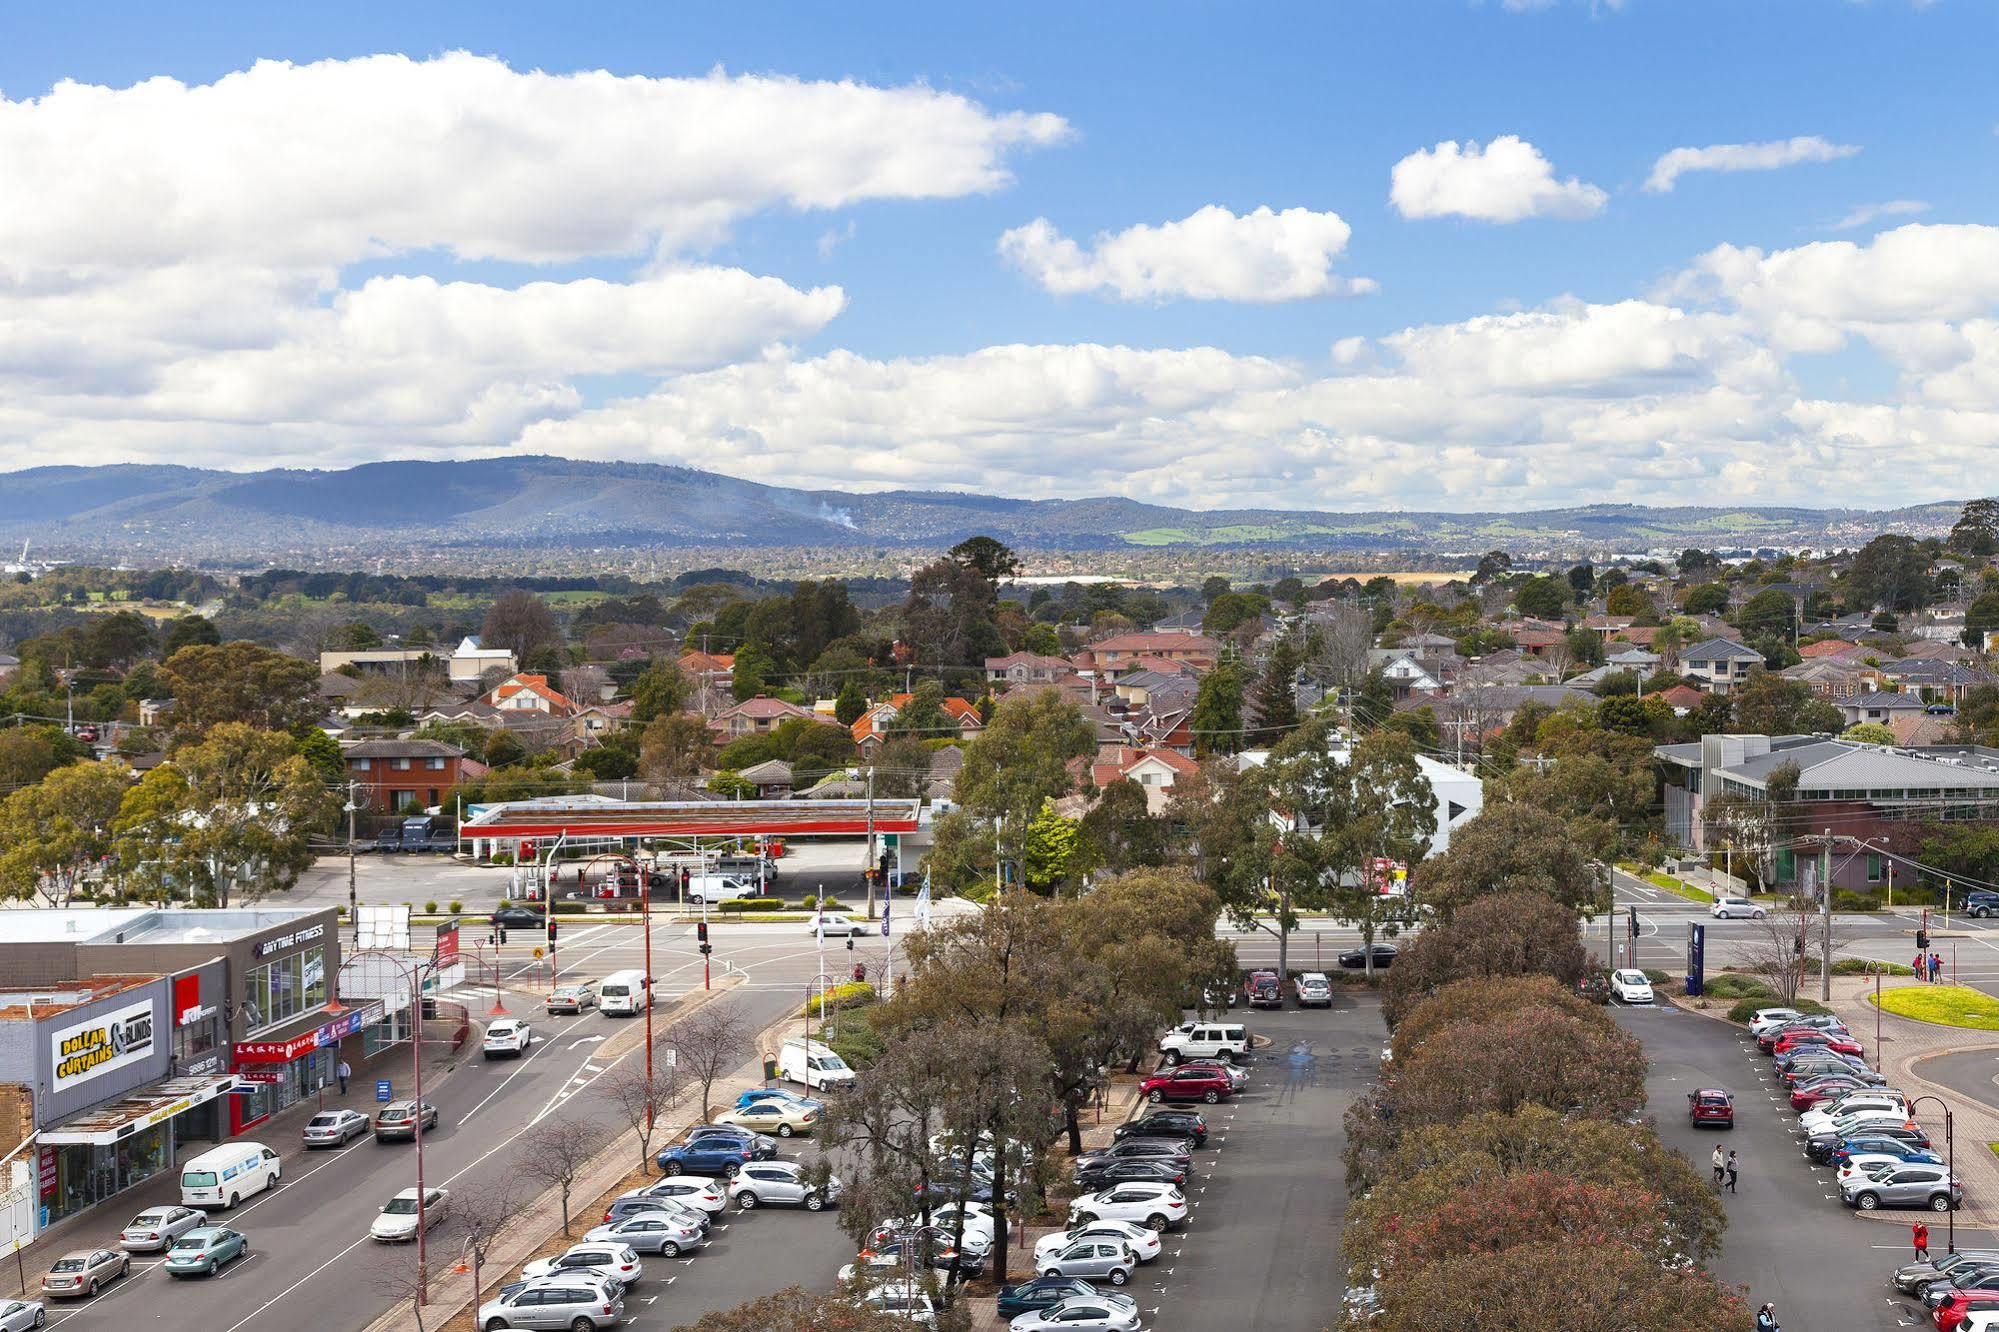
(1630, 987)
(1143, 1243)
(397, 1220)
(834, 926)
(1078, 1312)
(1729, 908)
(508, 1036)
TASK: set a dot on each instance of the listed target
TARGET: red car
(1767, 1042)
(1960, 1305)
(1809, 1098)
(1838, 1044)
(1187, 1084)
(1710, 1105)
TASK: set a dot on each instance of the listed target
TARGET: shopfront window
(281, 990)
(381, 1035)
(86, 1175)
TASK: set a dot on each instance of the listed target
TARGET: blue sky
(1168, 109)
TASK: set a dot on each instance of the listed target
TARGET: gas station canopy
(517, 820)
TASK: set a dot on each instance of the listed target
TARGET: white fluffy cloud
(1867, 213)
(181, 272)
(1744, 157)
(1503, 181)
(1211, 255)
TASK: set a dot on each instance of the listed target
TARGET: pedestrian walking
(343, 1073)
(1921, 966)
(1719, 1164)
(1936, 967)
(1733, 1166)
(1766, 1319)
(1921, 1234)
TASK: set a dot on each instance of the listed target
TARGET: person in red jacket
(1921, 1234)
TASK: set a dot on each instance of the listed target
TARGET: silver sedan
(1080, 1312)
(21, 1315)
(157, 1228)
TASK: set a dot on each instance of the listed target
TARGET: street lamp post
(414, 968)
(1949, 1166)
(353, 909)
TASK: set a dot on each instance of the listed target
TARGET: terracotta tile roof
(1830, 647)
(1157, 643)
(532, 684)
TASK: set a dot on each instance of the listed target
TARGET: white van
(224, 1176)
(623, 994)
(719, 888)
(813, 1064)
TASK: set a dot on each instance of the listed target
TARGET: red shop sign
(47, 1180)
(275, 1052)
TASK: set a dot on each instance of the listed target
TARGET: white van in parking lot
(623, 994)
(224, 1176)
(813, 1064)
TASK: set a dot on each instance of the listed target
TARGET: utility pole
(868, 870)
(353, 909)
(1825, 918)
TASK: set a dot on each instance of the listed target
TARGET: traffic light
(1632, 924)
(551, 929)
(1922, 941)
(701, 931)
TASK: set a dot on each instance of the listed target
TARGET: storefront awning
(113, 1123)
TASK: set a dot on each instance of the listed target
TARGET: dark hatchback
(1188, 1124)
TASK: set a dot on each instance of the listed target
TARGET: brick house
(403, 774)
(1019, 668)
(1121, 652)
(754, 715)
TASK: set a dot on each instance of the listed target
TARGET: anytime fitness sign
(111, 1040)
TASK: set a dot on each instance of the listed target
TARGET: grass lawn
(1945, 1005)
(1677, 887)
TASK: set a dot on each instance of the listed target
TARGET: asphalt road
(1790, 1240)
(1973, 1074)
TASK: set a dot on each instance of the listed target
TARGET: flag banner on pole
(922, 911)
(819, 926)
(888, 907)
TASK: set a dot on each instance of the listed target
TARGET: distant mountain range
(400, 510)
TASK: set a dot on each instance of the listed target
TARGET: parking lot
(1790, 1240)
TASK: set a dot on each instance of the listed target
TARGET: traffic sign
(384, 1090)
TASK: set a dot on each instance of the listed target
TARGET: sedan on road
(521, 918)
(651, 1232)
(333, 1128)
(397, 1220)
(1083, 1311)
(838, 925)
(1187, 1084)
(21, 1315)
(570, 999)
(1729, 908)
(82, 1271)
(1355, 958)
(1145, 1245)
(202, 1252)
(507, 1036)
(158, 1227)
(1710, 1106)
(397, 1121)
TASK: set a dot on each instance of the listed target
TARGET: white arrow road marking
(584, 1040)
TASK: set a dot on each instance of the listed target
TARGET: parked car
(888, 1253)
(1083, 1313)
(1629, 986)
(1043, 1292)
(651, 1232)
(1865, 1163)
(398, 1217)
(1951, 1309)
(388, 840)
(638, 1203)
(1103, 1174)
(334, 1128)
(1820, 1147)
(521, 918)
(82, 1271)
(157, 1228)
(1187, 1084)
(1237, 1075)
(1903, 1186)
(755, 1094)
(397, 1121)
(1818, 1091)
(1769, 1019)
(1099, 1259)
(1154, 1206)
(1263, 990)
(203, 1251)
(1729, 908)
(1314, 990)
(573, 1301)
(1204, 1040)
(1896, 1148)
(980, 1225)
(1190, 1125)
(570, 999)
(1355, 958)
(693, 1190)
(615, 1261)
(1837, 1042)
(1177, 1150)
(1854, 1103)
(1710, 1107)
(705, 1156)
(904, 1301)
(1144, 1244)
(22, 1315)
(507, 1036)
(761, 1183)
(782, 1118)
(1912, 1277)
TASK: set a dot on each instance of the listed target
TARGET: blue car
(756, 1144)
(714, 1156)
(1901, 1151)
(755, 1094)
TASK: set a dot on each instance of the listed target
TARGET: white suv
(1154, 1206)
(760, 1183)
(1204, 1040)
(507, 1036)
(1728, 908)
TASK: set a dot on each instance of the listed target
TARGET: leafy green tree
(1585, 648)
(1373, 702)
(189, 631)
(1582, 579)
(1275, 699)
(520, 622)
(850, 704)
(1121, 833)
(660, 689)
(1517, 934)
(991, 560)
(52, 834)
(1019, 761)
(751, 673)
(1769, 704)
(1976, 531)
(121, 638)
(1981, 618)
(1217, 721)
(27, 754)
(1214, 585)
(1771, 611)
(1511, 847)
(608, 762)
(673, 747)
(1870, 733)
(1707, 599)
(1420, 725)
(1493, 564)
(1051, 849)
(902, 768)
(322, 751)
(923, 715)
(1232, 610)
(235, 810)
(244, 684)
(1544, 597)
(1628, 599)
(1891, 572)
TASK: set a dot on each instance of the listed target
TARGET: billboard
(97, 1045)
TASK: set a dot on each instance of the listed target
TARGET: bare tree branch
(642, 1098)
(711, 1041)
(553, 1153)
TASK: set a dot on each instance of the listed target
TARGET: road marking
(520, 1067)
